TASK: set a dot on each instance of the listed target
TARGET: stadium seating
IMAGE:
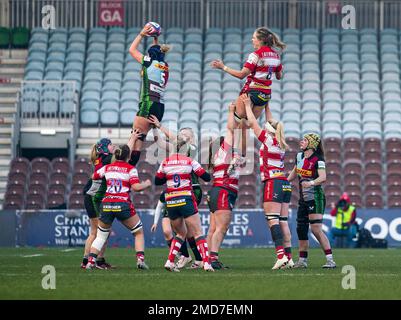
(342, 84)
(37, 184)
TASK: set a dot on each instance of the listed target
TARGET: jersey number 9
(176, 180)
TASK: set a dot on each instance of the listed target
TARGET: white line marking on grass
(33, 255)
(68, 250)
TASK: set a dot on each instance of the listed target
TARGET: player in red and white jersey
(259, 69)
(181, 205)
(277, 189)
(121, 178)
(225, 162)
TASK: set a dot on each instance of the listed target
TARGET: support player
(94, 191)
(225, 162)
(277, 189)
(188, 136)
(121, 178)
(182, 210)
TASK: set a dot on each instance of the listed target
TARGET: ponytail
(122, 152)
(269, 38)
(94, 154)
(280, 137)
(213, 147)
(165, 48)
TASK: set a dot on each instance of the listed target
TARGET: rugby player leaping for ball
(154, 79)
(259, 69)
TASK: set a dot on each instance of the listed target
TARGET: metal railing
(208, 13)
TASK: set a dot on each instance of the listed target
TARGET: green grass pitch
(378, 276)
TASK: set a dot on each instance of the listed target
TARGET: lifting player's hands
(153, 227)
(154, 121)
(147, 183)
(135, 134)
(306, 184)
(217, 64)
(231, 106)
(145, 31)
(246, 100)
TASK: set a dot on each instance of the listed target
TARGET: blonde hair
(280, 137)
(165, 48)
(94, 154)
(269, 38)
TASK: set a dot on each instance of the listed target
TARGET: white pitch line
(33, 255)
(68, 250)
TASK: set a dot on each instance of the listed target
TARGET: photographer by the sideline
(345, 225)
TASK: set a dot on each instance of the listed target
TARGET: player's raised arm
(133, 49)
(160, 177)
(240, 74)
(293, 174)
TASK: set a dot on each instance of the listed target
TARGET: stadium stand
(342, 84)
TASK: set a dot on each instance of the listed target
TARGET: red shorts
(277, 190)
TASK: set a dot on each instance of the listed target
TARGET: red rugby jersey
(262, 63)
(221, 176)
(271, 158)
(177, 170)
(120, 176)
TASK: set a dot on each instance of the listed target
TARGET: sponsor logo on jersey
(304, 172)
(161, 67)
(259, 86)
(177, 194)
(276, 173)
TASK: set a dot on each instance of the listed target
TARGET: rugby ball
(156, 30)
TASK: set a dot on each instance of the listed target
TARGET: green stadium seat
(20, 37)
(4, 38)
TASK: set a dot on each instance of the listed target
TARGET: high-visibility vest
(344, 217)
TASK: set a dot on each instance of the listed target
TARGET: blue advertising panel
(248, 228)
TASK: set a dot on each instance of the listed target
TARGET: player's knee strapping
(101, 238)
(272, 216)
(137, 227)
(314, 221)
(302, 229)
(283, 219)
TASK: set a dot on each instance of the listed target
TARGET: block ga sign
(111, 13)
